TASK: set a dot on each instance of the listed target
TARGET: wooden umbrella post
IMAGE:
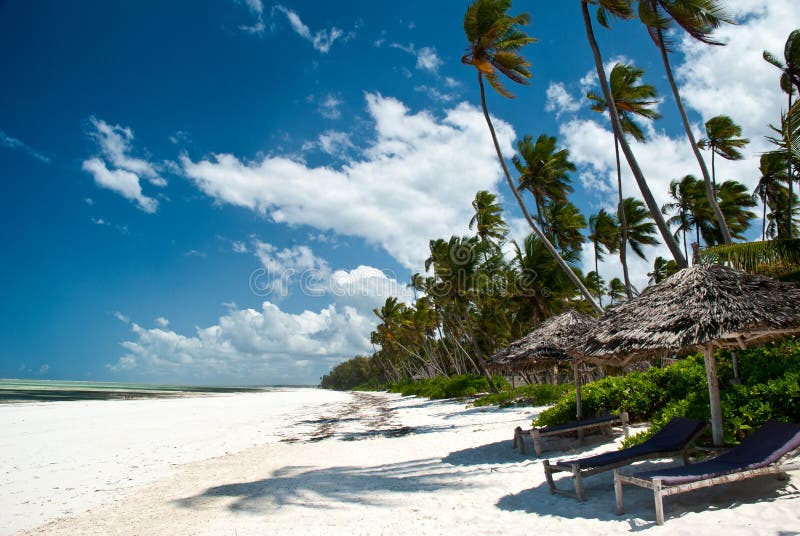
(713, 395)
(578, 404)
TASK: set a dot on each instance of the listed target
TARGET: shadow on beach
(639, 509)
(316, 488)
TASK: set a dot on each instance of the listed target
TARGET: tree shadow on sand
(639, 508)
(318, 488)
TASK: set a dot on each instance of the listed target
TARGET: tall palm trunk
(652, 206)
(623, 226)
(710, 190)
(764, 218)
(789, 158)
(597, 271)
(564, 266)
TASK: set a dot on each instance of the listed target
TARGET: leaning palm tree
(631, 99)
(641, 232)
(699, 19)
(722, 139)
(494, 39)
(544, 171)
(790, 81)
(622, 9)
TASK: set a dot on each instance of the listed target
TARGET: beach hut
(546, 346)
(701, 308)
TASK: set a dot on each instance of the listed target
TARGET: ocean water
(17, 391)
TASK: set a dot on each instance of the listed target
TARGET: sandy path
(380, 464)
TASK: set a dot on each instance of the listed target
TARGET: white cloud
(732, 80)
(329, 107)
(239, 247)
(44, 368)
(559, 100)
(282, 269)
(403, 189)
(322, 40)
(14, 143)
(428, 60)
(256, 9)
(435, 94)
(121, 181)
(335, 143)
(270, 345)
(115, 144)
(118, 170)
(249, 346)
(121, 317)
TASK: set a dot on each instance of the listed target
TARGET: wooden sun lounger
(767, 451)
(672, 440)
(603, 421)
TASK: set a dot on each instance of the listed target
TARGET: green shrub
(769, 388)
(525, 395)
(444, 387)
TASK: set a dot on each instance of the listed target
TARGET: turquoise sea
(16, 391)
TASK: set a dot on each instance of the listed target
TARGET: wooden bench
(604, 422)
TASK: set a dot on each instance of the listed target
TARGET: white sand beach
(307, 461)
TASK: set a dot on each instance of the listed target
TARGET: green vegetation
(358, 373)
(769, 388)
(442, 387)
(526, 395)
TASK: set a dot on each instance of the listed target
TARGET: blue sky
(163, 167)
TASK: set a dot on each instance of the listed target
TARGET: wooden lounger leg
(548, 474)
(517, 437)
(618, 492)
(659, 501)
(576, 476)
(537, 444)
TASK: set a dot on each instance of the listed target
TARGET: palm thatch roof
(694, 307)
(545, 345)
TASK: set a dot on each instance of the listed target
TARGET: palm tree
(631, 99)
(544, 171)
(735, 200)
(494, 41)
(790, 80)
(662, 269)
(595, 282)
(698, 18)
(722, 139)
(616, 290)
(622, 9)
(682, 193)
(641, 232)
(488, 218)
(773, 173)
(564, 225)
(604, 235)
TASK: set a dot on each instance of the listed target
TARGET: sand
(306, 461)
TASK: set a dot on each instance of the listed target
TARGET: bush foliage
(769, 388)
(525, 395)
(444, 387)
(359, 373)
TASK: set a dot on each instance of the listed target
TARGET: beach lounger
(766, 451)
(603, 421)
(672, 440)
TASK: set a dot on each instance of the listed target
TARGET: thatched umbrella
(698, 308)
(545, 346)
